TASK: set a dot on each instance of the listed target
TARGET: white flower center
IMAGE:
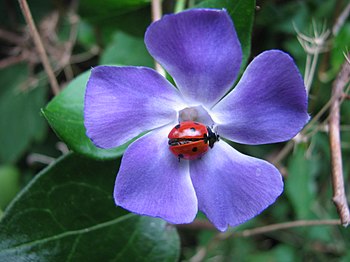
(197, 114)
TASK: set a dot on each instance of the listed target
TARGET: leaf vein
(70, 233)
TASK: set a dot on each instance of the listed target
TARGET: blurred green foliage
(111, 32)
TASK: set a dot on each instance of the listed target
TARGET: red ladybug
(191, 140)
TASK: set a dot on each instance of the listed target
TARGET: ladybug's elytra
(191, 140)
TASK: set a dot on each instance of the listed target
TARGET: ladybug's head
(212, 137)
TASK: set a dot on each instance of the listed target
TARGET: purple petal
(232, 187)
(151, 181)
(268, 105)
(122, 102)
(200, 50)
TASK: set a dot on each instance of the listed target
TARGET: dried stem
(286, 225)
(39, 158)
(200, 255)
(341, 20)
(39, 45)
(9, 61)
(305, 132)
(339, 197)
(10, 37)
(156, 15)
(283, 152)
(303, 39)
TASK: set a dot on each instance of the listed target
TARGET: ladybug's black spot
(195, 149)
(193, 129)
(180, 155)
(177, 126)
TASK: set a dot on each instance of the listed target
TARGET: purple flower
(200, 50)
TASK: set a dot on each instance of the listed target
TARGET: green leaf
(280, 252)
(9, 184)
(300, 184)
(340, 46)
(108, 8)
(109, 12)
(65, 115)
(67, 213)
(242, 14)
(20, 119)
(126, 50)
(133, 23)
(85, 35)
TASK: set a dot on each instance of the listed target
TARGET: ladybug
(191, 140)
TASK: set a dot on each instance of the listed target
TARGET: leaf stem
(39, 45)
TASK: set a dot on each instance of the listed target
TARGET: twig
(313, 46)
(156, 15)
(10, 37)
(39, 158)
(200, 255)
(341, 20)
(346, 56)
(82, 57)
(9, 61)
(39, 45)
(283, 152)
(66, 57)
(204, 224)
(286, 225)
(339, 197)
(305, 132)
(303, 39)
(156, 10)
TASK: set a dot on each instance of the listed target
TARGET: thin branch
(82, 57)
(303, 39)
(39, 45)
(202, 252)
(204, 224)
(339, 197)
(156, 10)
(39, 158)
(9, 61)
(313, 46)
(283, 152)
(10, 37)
(156, 15)
(305, 132)
(341, 20)
(345, 55)
(286, 225)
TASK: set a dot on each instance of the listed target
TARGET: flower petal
(232, 187)
(268, 105)
(151, 181)
(122, 102)
(200, 50)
